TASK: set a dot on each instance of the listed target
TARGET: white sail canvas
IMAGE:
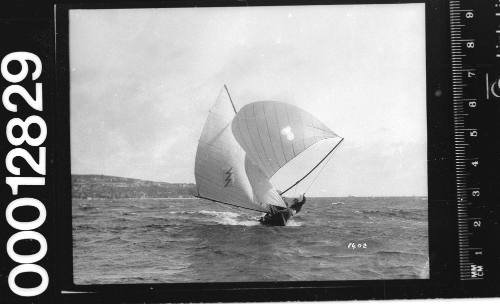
(239, 151)
(223, 172)
(273, 133)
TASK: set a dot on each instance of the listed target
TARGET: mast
(230, 99)
(308, 173)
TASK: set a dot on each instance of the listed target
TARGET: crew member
(278, 216)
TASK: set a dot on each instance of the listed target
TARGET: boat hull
(278, 218)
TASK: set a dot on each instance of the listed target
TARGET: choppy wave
(293, 223)
(138, 241)
(87, 206)
(235, 219)
(405, 214)
(229, 218)
(183, 212)
(226, 214)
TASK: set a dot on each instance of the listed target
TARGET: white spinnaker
(273, 133)
(223, 171)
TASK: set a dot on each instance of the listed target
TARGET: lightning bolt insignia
(229, 176)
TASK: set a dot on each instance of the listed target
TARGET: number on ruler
(476, 271)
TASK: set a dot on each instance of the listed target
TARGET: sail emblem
(287, 131)
(228, 180)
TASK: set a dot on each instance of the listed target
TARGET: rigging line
(288, 120)
(280, 137)
(319, 173)
(306, 149)
(227, 203)
(254, 146)
(323, 166)
(260, 141)
(297, 182)
(303, 132)
(269, 136)
(230, 99)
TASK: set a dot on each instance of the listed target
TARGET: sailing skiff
(240, 151)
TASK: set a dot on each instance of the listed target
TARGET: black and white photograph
(248, 144)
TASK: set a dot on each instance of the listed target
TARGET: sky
(143, 80)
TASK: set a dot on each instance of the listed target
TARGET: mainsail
(238, 153)
(223, 172)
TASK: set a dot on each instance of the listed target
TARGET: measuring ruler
(475, 60)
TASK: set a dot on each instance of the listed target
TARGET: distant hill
(103, 186)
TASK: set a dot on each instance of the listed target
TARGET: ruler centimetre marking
(457, 23)
(473, 85)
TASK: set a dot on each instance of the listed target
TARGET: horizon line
(194, 183)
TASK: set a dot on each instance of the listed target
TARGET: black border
(443, 280)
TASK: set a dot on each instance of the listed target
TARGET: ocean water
(193, 240)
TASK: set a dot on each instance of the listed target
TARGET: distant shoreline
(114, 187)
(135, 198)
(190, 198)
(94, 186)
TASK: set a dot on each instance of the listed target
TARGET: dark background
(29, 26)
